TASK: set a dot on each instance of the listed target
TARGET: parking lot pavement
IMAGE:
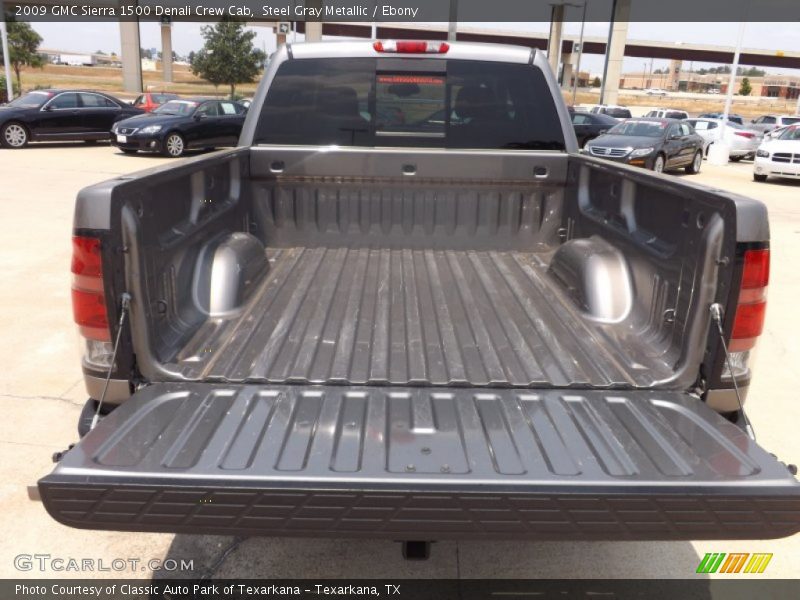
(41, 394)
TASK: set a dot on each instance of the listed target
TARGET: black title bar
(413, 11)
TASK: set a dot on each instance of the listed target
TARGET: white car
(668, 113)
(655, 92)
(743, 142)
(779, 155)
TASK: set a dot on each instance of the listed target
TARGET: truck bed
(415, 317)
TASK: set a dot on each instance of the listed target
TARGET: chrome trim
(118, 389)
(609, 152)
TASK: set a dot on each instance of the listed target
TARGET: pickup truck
(406, 307)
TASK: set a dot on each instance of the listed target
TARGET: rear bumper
(405, 463)
(428, 513)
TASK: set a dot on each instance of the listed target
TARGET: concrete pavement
(41, 393)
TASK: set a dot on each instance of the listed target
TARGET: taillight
(411, 47)
(745, 134)
(88, 298)
(748, 323)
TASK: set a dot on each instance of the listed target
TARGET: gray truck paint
(420, 344)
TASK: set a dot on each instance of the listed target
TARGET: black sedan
(180, 125)
(60, 115)
(589, 125)
(657, 144)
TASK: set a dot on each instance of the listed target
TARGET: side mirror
(198, 116)
(48, 108)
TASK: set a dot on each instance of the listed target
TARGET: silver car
(742, 141)
(767, 123)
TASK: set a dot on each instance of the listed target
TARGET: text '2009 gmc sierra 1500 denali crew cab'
(406, 307)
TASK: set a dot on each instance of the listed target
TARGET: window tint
(96, 101)
(579, 119)
(790, 120)
(68, 100)
(768, 120)
(464, 104)
(675, 114)
(209, 109)
(139, 101)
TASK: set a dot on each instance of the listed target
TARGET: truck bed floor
(415, 317)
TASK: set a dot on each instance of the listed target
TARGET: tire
(174, 145)
(14, 135)
(760, 178)
(694, 167)
(129, 150)
(659, 163)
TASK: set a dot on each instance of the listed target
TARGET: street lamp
(580, 51)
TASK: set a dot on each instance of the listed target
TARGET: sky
(89, 37)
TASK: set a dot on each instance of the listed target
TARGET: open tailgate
(420, 463)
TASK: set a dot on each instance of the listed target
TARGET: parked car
(657, 144)
(618, 112)
(60, 115)
(656, 92)
(588, 126)
(398, 332)
(149, 101)
(714, 91)
(718, 115)
(742, 141)
(181, 125)
(668, 113)
(779, 155)
(767, 123)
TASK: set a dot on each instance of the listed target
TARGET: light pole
(719, 152)
(580, 53)
(6, 56)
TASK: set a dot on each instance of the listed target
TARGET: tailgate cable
(716, 315)
(126, 305)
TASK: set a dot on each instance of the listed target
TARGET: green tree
(596, 82)
(745, 88)
(23, 43)
(228, 56)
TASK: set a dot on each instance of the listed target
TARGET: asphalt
(41, 394)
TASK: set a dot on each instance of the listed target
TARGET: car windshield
(791, 133)
(161, 98)
(177, 107)
(640, 128)
(31, 100)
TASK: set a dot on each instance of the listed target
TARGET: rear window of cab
(410, 103)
